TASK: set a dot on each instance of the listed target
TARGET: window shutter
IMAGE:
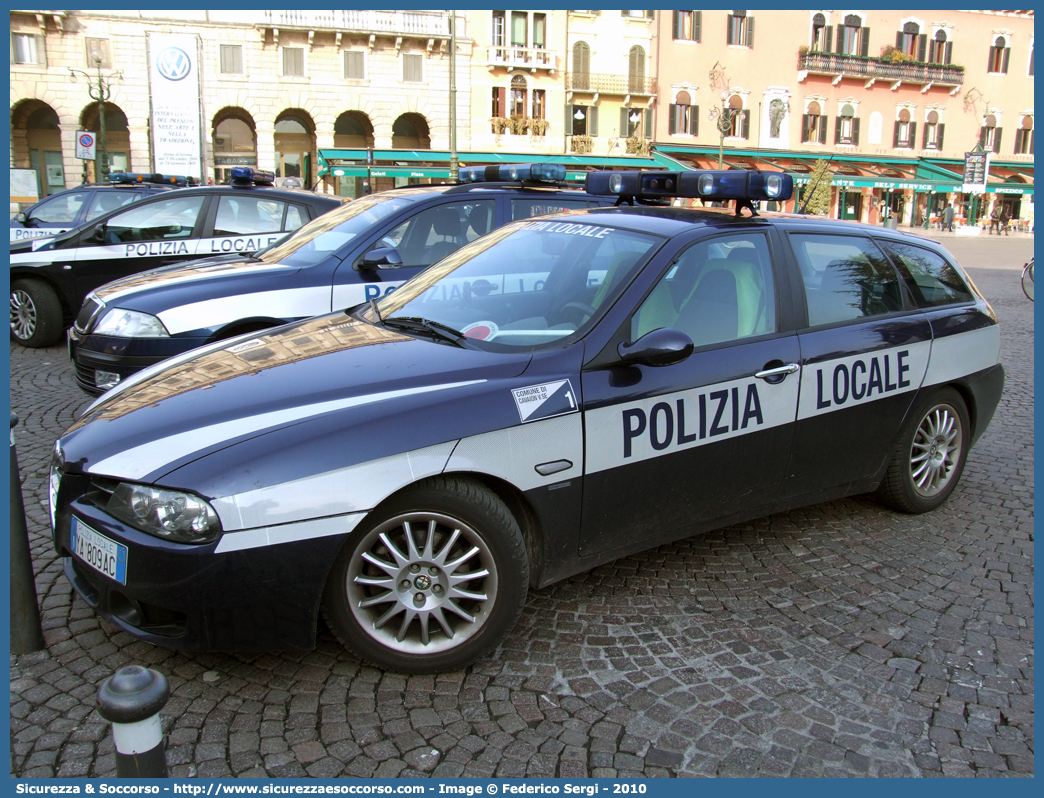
(1004, 63)
(997, 141)
(1032, 132)
(353, 65)
(648, 123)
(828, 46)
(840, 39)
(728, 30)
(913, 134)
(750, 37)
(924, 137)
(855, 130)
(989, 64)
(502, 102)
(672, 120)
(592, 121)
(982, 135)
(822, 129)
(804, 127)
(837, 130)
(694, 124)
(939, 136)
(568, 118)
(678, 29)
(745, 124)
(949, 53)
(899, 40)
(624, 127)
(650, 14)
(895, 134)
(864, 45)
(922, 47)
(697, 25)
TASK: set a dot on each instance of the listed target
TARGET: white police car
(552, 396)
(50, 277)
(364, 250)
(67, 209)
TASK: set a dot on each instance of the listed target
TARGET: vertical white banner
(174, 89)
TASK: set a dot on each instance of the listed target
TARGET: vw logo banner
(176, 117)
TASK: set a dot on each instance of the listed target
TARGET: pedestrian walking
(948, 217)
(1005, 218)
(995, 219)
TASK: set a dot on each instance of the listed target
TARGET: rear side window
(239, 215)
(541, 206)
(845, 278)
(105, 201)
(932, 281)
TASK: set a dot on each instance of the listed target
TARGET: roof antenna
(813, 188)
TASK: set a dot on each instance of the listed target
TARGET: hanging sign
(174, 90)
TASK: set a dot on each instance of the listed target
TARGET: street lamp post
(454, 170)
(100, 92)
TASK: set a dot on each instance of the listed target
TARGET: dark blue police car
(67, 209)
(50, 277)
(552, 396)
(364, 250)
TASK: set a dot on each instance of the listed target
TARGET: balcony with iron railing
(610, 84)
(517, 57)
(398, 23)
(870, 68)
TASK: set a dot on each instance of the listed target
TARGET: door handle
(779, 372)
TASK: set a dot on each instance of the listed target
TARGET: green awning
(395, 161)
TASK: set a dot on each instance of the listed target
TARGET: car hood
(334, 371)
(156, 289)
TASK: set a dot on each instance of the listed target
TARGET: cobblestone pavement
(837, 640)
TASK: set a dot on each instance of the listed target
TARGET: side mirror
(21, 217)
(663, 347)
(382, 258)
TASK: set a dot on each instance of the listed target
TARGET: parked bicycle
(1027, 279)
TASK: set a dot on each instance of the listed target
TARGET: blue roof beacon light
(124, 178)
(706, 184)
(514, 172)
(249, 176)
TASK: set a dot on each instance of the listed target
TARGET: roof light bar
(709, 184)
(522, 172)
(248, 175)
(123, 178)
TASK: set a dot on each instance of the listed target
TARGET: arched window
(636, 70)
(999, 56)
(933, 132)
(683, 121)
(941, 50)
(519, 106)
(581, 66)
(847, 129)
(990, 134)
(819, 33)
(739, 120)
(904, 129)
(906, 39)
(813, 124)
(1024, 136)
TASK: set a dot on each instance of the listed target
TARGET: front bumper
(189, 597)
(122, 356)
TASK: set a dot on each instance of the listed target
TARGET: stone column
(265, 131)
(324, 140)
(140, 150)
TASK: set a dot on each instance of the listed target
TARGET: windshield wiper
(376, 310)
(433, 328)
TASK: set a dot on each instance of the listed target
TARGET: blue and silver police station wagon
(50, 277)
(364, 250)
(556, 394)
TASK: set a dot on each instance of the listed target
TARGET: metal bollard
(26, 635)
(131, 700)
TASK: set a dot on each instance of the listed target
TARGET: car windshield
(323, 236)
(528, 285)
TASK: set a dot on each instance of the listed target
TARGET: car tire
(929, 457)
(36, 314)
(395, 595)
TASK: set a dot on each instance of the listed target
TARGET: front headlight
(168, 514)
(54, 481)
(130, 324)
